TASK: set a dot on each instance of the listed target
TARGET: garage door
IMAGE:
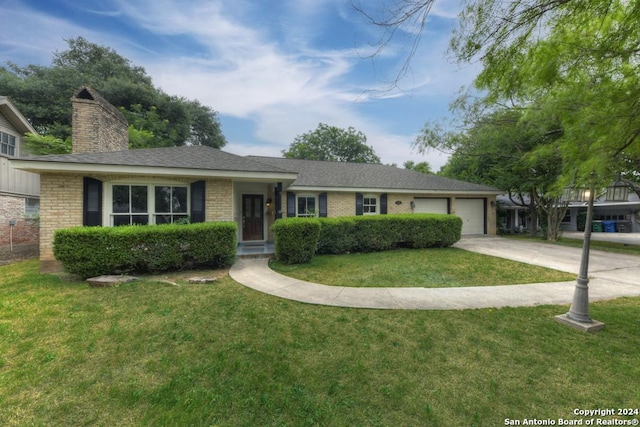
(431, 206)
(473, 216)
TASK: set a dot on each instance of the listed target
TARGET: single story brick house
(104, 183)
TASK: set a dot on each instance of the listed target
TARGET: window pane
(163, 219)
(140, 219)
(163, 199)
(121, 220)
(138, 199)
(179, 199)
(302, 205)
(121, 199)
(179, 217)
(32, 206)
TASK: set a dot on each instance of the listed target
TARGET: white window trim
(107, 202)
(377, 205)
(308, 196)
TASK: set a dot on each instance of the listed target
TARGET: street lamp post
(578, 315)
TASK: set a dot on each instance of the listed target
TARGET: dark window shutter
(198, 201)
(92, 202)
(359, 203)
(322, 205)
(291, 204)
(278, 201)
(383, 204)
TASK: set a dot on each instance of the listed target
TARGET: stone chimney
(97, 125)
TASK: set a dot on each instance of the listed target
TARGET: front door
(252, 217)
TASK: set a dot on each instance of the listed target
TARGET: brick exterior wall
(219, 200)
(97, 128)
(344, 204)
(60, 207)
(22, 240)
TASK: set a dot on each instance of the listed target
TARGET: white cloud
(261, 65)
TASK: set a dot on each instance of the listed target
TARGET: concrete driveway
(612, 276)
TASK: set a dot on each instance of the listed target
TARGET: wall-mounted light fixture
(268, 203)
(412, 204)
(493, 204)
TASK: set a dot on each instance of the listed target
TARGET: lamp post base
(592, 326)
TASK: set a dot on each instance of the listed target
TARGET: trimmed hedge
(384, 232)
(295, 239)
(367, 234)
(93, 251)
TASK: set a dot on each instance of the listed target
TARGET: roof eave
(395, 190)
(76, 168)
(15, 116)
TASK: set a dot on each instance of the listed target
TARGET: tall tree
(333, 144)
(504, 150)
(422, 167)
(42, 95)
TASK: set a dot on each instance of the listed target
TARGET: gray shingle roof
(313, 173)
(187, 157)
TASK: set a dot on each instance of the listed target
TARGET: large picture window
(148, 204)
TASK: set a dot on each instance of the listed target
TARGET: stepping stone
(202, 280)
(107, 281)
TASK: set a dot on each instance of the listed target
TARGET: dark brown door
(252, 217)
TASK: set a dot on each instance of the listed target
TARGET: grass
(154, 353)
(428, 268)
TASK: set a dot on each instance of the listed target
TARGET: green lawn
(154, 353)
(428, 268)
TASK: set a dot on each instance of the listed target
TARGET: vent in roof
(84, 94)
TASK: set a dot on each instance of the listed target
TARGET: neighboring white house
(19, 190)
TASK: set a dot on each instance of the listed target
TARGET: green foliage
(422, 167)
(47, 144)
(333, 144)
(384, 232)
(42, 96)
(365, 234)
(92, 251)
(572, 62)
(295, 239)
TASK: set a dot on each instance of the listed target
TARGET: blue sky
(272, 69)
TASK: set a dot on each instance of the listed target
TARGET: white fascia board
(395, 190)
(39, 167)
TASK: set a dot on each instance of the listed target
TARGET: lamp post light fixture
(578, 315)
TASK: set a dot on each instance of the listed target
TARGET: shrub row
(93, 251)
(296, 240)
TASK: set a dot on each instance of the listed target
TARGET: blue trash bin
(609, 226)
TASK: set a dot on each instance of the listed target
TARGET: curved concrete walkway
(612, 276)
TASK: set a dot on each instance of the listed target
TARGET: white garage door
(472, 213)
(440, 206)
